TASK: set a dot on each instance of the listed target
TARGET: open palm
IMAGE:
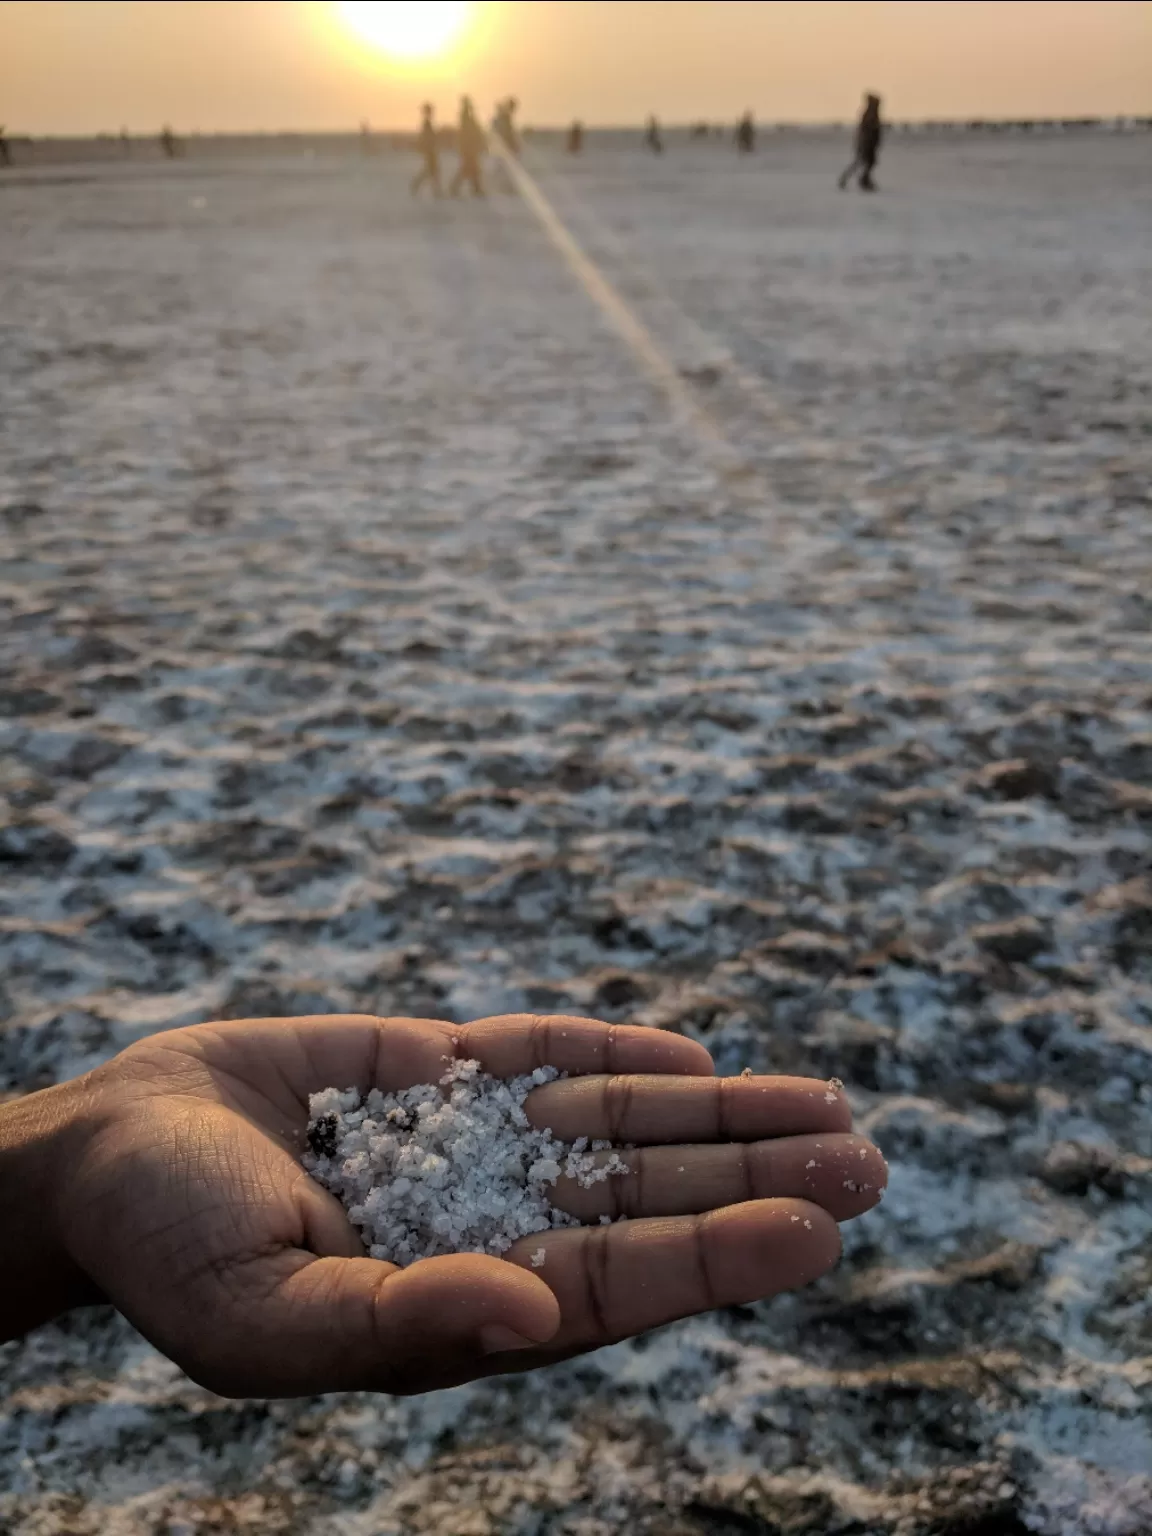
(189, 1208)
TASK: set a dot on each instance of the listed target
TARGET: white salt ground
(333, 636)
(453, 1167)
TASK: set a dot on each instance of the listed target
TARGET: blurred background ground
(376, 638)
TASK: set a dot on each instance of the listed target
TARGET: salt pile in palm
(448, 1168)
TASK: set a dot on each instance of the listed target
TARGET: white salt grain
(447, 1168)
(538, 1258)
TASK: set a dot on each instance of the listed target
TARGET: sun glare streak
(620, 315)
(405, 29)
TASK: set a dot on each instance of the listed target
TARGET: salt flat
(377, 636)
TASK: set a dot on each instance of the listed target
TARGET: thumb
(302, 1324)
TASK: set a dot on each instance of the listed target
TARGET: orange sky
(82, 66)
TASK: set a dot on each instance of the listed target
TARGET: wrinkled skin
(186, 1205)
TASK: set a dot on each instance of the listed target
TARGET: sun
(406, 29)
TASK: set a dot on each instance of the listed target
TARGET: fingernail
(495, 1336)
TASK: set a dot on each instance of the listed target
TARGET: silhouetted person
(427, 142)
(470, 146)
(652, 137)
(504, 125)
(125, 143)
(869, 131)
(169, 143)
(746, 134)
(365, 138)
(576, 138)
(5, 152)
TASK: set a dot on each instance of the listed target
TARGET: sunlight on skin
(418, 29)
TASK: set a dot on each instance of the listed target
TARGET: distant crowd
(471, 143)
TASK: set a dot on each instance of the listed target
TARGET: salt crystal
(544, 1171)
(811, 1163)
(538, 1258)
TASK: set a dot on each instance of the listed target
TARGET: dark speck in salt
(322, 1136)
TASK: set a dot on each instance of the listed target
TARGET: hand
(185, 1205)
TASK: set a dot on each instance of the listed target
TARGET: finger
(292, 1058)
(407, 1051)
(361, 1051)
(844, 1175)
(292, 1324)
(613, 1281)
(687, 1109)
(515, 1043)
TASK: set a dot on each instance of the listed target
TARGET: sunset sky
(83, 66)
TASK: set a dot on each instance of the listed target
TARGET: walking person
(5, 152)
(576, 138)
(504, 125)
(470, 144)
(869, 132)
(746, 134)
(427, 142)
(652, 136)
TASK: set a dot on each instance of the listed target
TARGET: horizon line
(1067, 120)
